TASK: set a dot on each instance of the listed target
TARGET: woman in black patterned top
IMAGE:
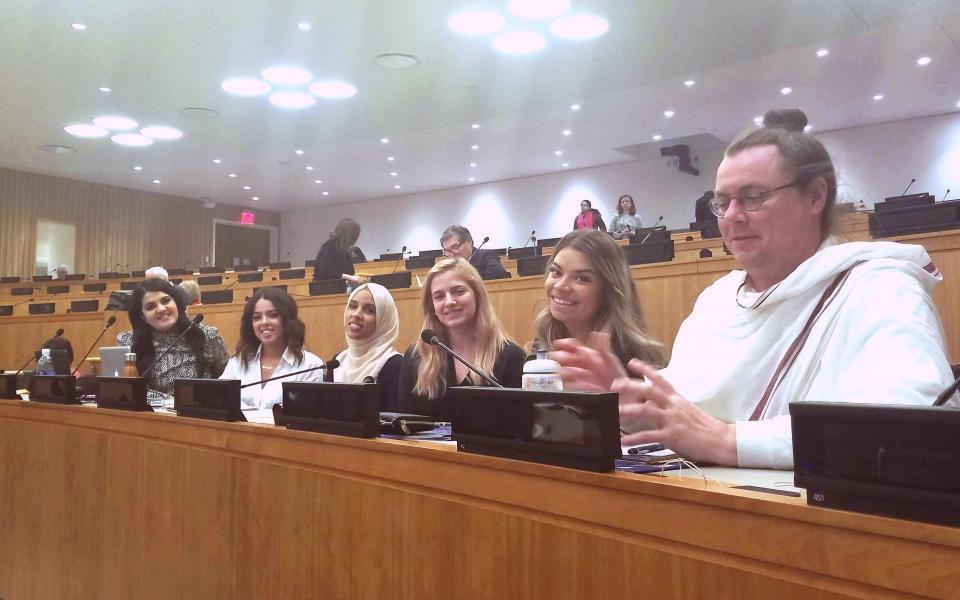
(157, 315)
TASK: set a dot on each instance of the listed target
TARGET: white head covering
(365, 358)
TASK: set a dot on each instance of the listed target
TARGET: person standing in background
(333, 259)
(589, 218)
(626, 223)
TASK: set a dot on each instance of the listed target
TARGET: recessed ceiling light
(574, 107)
(538, 9)
(298, 152)
(86, 130)
(689, 83)
(56, 149)
(390, 159)
(162, 132)
(567, 132)
(878, 96)
(303, 26)
(325, 193)
(657, 137)
(471, 178)
(217, 161)
(564, 165)
(231, 175)
(156, 181)
(474, 147)
(785, 90)
(668, 113)
(519, 42)
(473, 165)
(758, 120)
(396, 61)
(333, 90)
(118, 123)
(245, 86)
(254, 197)
(104, 89)
(580, 27)
(476, 22)
(384, 140)
(393, 173)
(247, 187)
(318, 181)
(292, 100)
(286, 75)
(924, 61)
(309, 167)
(137, 168)
(131, 139)
(822, 52)
(475, 126)
(79, 26)
(396, 187)
(808, 128)
(558, 152)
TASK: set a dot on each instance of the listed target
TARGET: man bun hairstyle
(803, 155)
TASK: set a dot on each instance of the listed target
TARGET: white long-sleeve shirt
(261, 398)
(878, 341)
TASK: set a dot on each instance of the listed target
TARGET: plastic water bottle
(541, 374)
(45, 363)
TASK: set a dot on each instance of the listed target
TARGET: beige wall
(114, 224)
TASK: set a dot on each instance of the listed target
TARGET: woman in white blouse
(271, 345)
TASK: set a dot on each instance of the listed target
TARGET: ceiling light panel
(333, 89)
(292, 100)
(134, 140)
(115, 123)
(86, 130)
(286, 75)
(162, 132)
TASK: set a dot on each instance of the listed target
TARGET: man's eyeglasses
(750, 201)
(452, 250)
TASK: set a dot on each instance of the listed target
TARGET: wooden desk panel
(102, 504)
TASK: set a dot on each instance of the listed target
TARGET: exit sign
(248, 217)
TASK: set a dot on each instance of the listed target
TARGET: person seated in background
(62, 272)
(456, 241)
(589, 288)
(626, 223)
(806, 319)
(157, 316)
(456, 308)
(191, 292)
(61, 352)
(270, 345)
(333, 259)
(371, 325)
(702, 210)
(156, 273)
(589, 218)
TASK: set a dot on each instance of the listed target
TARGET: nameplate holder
(578, 430)
(8, 386)
(348, 409)
(123, 393)
(328, 287)
(53, 389)
(250, 277)
(292, 274)
(212, 399)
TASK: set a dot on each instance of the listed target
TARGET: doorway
(236, 245)
(56, 245)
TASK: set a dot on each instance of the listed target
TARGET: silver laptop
(111, 360)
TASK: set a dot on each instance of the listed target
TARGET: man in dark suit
(457, 242)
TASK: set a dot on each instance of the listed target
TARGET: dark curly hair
(294, 330)
(143, 333)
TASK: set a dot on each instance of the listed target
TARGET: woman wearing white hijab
(371, 325)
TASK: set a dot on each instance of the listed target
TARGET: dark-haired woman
(333, 260)
(626, 223)
(158, 317)
(589, 218)
(271, 345)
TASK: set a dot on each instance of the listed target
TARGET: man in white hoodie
(805, 320)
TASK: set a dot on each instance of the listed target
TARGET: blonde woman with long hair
(456, 308)
(588, 288)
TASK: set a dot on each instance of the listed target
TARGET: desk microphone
(36, 353)
(431, 338)
(533, 236)
(649, 233)
(107, 326)
(402, 252)
(947, 393)
(332, 364)
(908, 186)
(196, 321)
(945, 194)
(477, 249)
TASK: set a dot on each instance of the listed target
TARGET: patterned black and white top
(180, 362)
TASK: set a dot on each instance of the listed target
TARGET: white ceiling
(159, 57)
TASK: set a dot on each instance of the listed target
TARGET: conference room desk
(105, 504)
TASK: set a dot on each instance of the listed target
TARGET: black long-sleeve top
(331, 262)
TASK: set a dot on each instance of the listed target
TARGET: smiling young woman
(158, 317)
(456, 307)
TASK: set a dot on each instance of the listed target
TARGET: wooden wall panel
(114, 225)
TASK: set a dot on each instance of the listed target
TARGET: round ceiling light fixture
(333, 89)
(56, 149)
(134, 140)
(197, 112)
(115, 123)
(292, 100)
(396, 61)
(86, 130)
(162, 132)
